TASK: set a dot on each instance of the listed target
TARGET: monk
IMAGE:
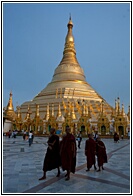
(90, 152)
(52, 158)
(101, 153)
(116, 137)
(68, 153)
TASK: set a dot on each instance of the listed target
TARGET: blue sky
(33, 43)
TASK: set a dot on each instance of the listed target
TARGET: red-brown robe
(116, 137)
(52, 158)
(90, 151)
(101, 153)
(68, 153)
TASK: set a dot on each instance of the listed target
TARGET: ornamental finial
(70, 16)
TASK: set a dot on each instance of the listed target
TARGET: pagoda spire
(59, 111)
(9, 109)
(70, 17)
(118, 105)
(10, 104)
(18, 112)
(69, 54)
(28, 113)
(73, 112)
(52, 109)
(128, 114)
(47, 114)
(122, 110)
(86, 110)
(83, 109)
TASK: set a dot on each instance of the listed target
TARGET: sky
(33, 43)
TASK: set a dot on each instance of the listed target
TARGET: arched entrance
(121, 130)
(103, 130)
(49, 127)
(82, 129)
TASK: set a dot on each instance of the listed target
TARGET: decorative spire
(64, 106)
(70, 17)
(27, 116)
(10, 104)
(118, 105)
(29, 110)
(128, 114)
(69, 108)
(122, 110)
(83, 109)
(59, 111)
(73, 113)
(69, 54)
(47, 114)
(37, 111)
(70, 24)
(18, 112)
(86, 110)
(52, 109)
(78, 107)
(89, 112)
(9, 111)
(28, 113)
(112, 114)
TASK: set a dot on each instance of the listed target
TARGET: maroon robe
(52, 158)
(90, 151)
(101, 153)
(116, 137)
(68, 153)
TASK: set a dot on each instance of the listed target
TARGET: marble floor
(22, 167)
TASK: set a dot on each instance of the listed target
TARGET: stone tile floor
(22, 167)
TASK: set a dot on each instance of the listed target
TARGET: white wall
(7, 126)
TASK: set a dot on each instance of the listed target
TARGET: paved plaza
(22, 167)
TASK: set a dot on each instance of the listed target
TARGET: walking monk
(68, 153)
(90, 152)
(101, 153)
(52, 157)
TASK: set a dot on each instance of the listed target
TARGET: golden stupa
(68, 86)
(9, 112)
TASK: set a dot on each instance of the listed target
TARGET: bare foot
(42, 178)
(58, 175)
(68, 178)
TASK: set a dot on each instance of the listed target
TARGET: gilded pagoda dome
(68, 82)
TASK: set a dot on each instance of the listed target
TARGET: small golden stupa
(9, 112)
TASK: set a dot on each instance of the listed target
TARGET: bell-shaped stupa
(68, 85)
